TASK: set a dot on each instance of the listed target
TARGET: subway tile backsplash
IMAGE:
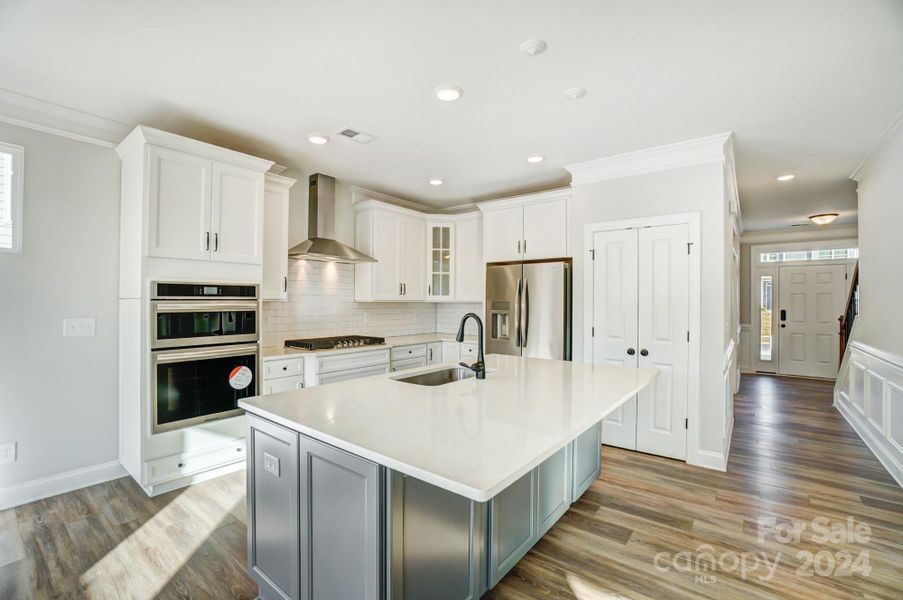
(321, 303)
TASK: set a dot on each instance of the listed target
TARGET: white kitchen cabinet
(528, 227)
(275, 237)
(440, 259)
(545, 230)
(434, 353)
(451, 351)
(503, 234)
(203, 209)
(467, 265)
(179, 200)
(396, 238)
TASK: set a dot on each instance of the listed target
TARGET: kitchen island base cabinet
(324, 523)
(435, 542)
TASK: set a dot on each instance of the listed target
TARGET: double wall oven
(204, 351)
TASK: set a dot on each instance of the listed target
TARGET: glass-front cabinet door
(439, 280)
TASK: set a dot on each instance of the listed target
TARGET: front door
(811, 300)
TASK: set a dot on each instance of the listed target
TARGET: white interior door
(663, 326)
(615, 321)
(811, 300)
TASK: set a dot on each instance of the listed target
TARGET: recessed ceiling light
(823, 219)
(786, 177)
(449, 93)
(535, 158)
(575, 93)
(317, 138)
(533, 47)
(436, 181)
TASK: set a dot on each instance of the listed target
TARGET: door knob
(644, 352)
(631, 351)
(783, 326)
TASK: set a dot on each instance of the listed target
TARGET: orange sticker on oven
(240, 377)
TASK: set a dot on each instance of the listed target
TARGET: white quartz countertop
(270, 352)
(471, 437)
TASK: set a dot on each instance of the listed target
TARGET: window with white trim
(11, 169)
(808, 255)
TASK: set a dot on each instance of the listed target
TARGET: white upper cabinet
(179, 199)
(525, 228)
(202, 202)
(545, 230)
(396, 238)
(440, 261)
(468, 267)
(503, 234)
(275, 237)
(413, 259)
(237, 214)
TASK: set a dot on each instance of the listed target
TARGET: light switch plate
(7, 453)
(79, 327)
(270, 464)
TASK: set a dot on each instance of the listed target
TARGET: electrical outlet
(270, 464)
(8, 453)
(78, 327)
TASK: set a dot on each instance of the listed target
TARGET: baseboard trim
(45, 487)
(710, 460)
(174, 484)
(874, 443)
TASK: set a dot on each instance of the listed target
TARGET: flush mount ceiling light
(824, 219)
(449, 93)
(786, 177)
(575, 93)
(535, 158)
(533, 47)
(436, 181)
(317, 138)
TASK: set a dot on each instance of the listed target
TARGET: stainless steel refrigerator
(528, 309)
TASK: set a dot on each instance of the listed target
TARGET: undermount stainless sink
(440, 377)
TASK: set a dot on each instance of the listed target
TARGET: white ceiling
(806, 86)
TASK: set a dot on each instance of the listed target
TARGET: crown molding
(800, 234)
(530, 198)
(875, 151)
(714, 148)
(279, 180)
(40, 115)
(360, 195)
(142, 134)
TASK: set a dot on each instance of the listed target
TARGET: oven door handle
(177, 307)
(174, 356)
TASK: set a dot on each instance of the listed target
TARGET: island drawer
(283, 367)
(469, 350)
(405, 352)
(282, 384)
(352, 360)
(409, 363)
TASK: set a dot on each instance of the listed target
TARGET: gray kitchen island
(385, 488)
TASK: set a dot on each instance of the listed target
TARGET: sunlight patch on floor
(148, 559)
(585, 590)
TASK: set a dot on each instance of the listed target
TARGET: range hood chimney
(320, 244)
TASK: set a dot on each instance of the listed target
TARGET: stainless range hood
(321, 227)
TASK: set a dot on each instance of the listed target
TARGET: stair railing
(851, 309)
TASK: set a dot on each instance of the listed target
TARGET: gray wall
(881, 249)
(58, 396)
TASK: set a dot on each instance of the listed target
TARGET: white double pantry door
(641, 319)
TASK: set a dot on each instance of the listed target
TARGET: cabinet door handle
(216, 242)
(525, 246)
(644, 352)
(518, 246)
(404, 289)
(631, 351)
(399, 289)
(431, 354)
(207, 242)
(285, 284)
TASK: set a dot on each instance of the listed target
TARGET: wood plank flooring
(793, 459)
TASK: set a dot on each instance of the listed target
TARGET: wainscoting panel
(869, 394)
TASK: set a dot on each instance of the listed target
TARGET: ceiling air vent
(357, 136)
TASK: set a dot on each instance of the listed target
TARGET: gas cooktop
(340, 341)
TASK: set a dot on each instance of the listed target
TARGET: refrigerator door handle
(517, 314)
(526, 312)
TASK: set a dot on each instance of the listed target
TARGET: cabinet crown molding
(280, 181)
(523, 199)
(714, 148)
(142, 134)
(366, 205)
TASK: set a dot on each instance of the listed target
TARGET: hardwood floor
(793, 459)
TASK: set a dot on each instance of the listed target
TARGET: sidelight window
(765, 311)
(11, 163)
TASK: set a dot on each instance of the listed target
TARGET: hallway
(793, 458)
